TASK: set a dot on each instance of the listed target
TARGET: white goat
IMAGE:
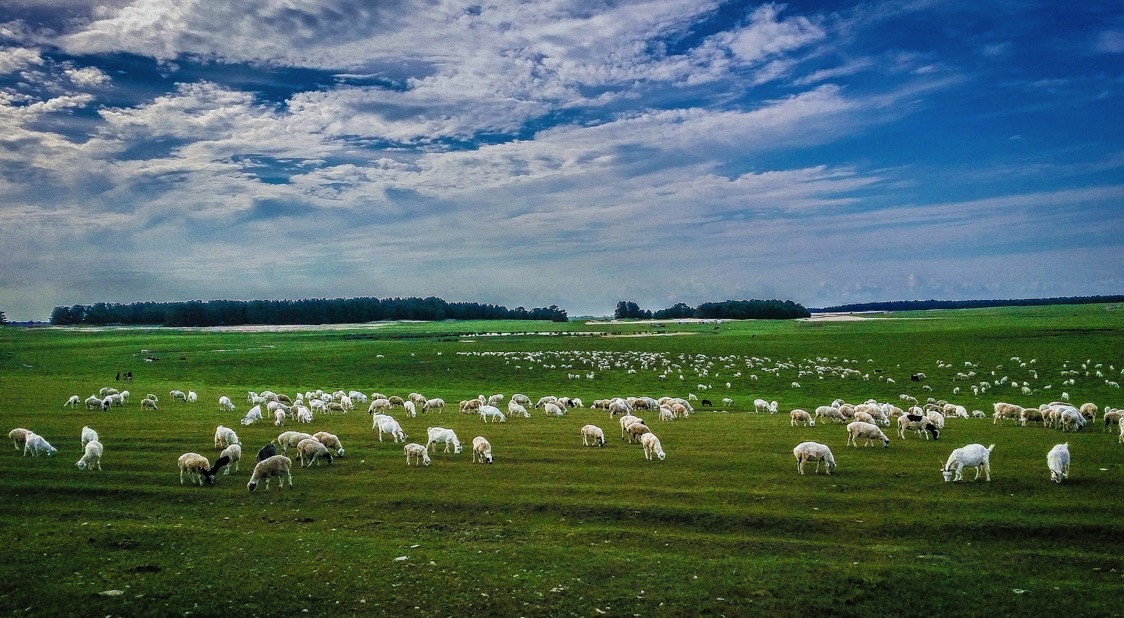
(493, 413)
(390, 426)
(970, 456)
(1057, 460)
(813, 451)
(441, 434)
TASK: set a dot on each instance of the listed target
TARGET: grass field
(723, 526)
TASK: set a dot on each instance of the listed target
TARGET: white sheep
(192, 397)
(830, 412)
(516, 410)
(410, 409)
(37, 444)
(225, 436)
(813, 451)
(652, 446)
(493, 413)
(627, 420)
(178, 395)
(290, 439)
(1057, 460)
(277, 465)
(148, 404)
(421, 455)
(441, 434)
(232, 453)
(594, 433)
(225, 404)
(312, 449)
(635, 430)
(330, 440)
(253, 415)
(869, 431)
(436, 404)
(481, 448)
(88, 435)
(801, 417)
(19, 437)
(91, 458)
(93, 402)
(553, 409)
(388, 425)
(197, 467)
(73, 402)
(970, 456)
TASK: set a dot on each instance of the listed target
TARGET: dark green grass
(723, 526)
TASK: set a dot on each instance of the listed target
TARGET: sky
(568, 152)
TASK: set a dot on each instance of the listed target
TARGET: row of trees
(726, 310)
(3, 318)
(917, 305)
(303, 311)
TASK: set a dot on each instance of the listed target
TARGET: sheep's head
(662, 455)
(81, 465)
(252, 485)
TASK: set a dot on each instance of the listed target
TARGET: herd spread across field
(691, 475)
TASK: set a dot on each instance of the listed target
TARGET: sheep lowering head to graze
(1057, 460)
(330, 440)
(19, 437)
(225, 436)
(233, 454)
(420, 453)
(277, 465)
(442, 434)
(198, 469)
(813, 451)
(88, 435)
(594, 433)
(312, 450)
(919, 423)
(91, 458)
(970, 456)
(481, 449)
(868, 431)
(802, 417)
(652, 446)
(36, 444)
(635, 430)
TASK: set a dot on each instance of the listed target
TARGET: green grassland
(723, 526)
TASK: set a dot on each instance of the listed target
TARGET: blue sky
(559, 152)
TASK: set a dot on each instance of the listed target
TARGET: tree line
(917, 305)
(726, 310)
(302, 311)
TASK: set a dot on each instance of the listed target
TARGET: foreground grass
(723, 526)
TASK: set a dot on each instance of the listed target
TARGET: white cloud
(15, 59)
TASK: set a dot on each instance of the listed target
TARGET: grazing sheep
(760, 405)
(197, 466)
(515, 410)
(192, 397)
(1057, 460)
(148, 404)
(970, 456)
(225, 436)
(225, 404)
(312, 449)
(813, 451)
(91, 458)
(635, 430)
(830, 412)
(178, 395)
(652, 446)
(267, 451)
(88, 435)
(627, 420)
(441, 434)
(93, 402)
(73, 402)
(553, 409)
(253, 415)
(421, 455)
(862, 429)
(329, 440)
(492, 412)
(1005, 410)
(436, 403)
(36, 444)
(388, 425)
(409, 409)
(1111, 417)
(19, 437)
(1030, 415)
(481, 448)
(592, 432)
(233, 455)
(919, 423)
(799, 416)
(277, 465)
(290, 439)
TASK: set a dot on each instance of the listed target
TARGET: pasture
(723, 526)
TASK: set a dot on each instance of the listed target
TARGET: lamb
(971, 456)
(37, 444)
(652, 446)
(441, 434)
(88, 435)
(919, 423)
(388, 425)
(420, 453)
(277, 465)
(199, 469)
(593, 432)
(278, 417)
(313, 449)
(329, 440)
(802, 417)
(232, 454)
(253, 415)
(1057, 460)
(19, 437)
(225, 436)
(91, 458)
(870, 431)
(760, 405)
(192, 397)
(481, 448)
(813, 451)
(72, 402)
(493, 413)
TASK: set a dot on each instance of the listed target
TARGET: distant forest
(915, 305)
(304, 311)
(726, 310)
